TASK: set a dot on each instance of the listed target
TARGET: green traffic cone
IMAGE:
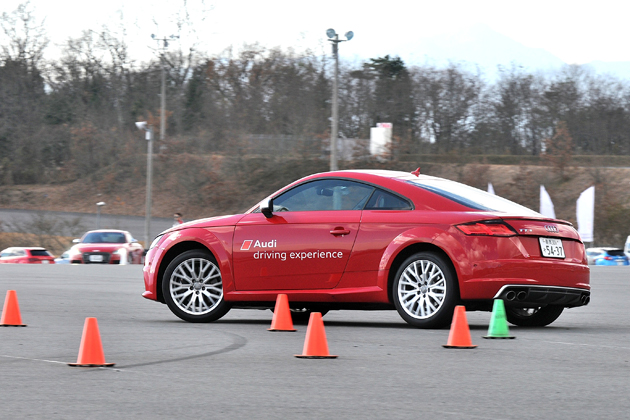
(498, 323)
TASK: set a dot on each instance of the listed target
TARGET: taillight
(486, 229)
(608, 258)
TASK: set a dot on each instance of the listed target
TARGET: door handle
(339, 232)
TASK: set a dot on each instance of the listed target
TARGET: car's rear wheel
(533, 317)
(425, 290)
(193, 289)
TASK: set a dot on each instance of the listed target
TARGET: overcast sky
(572, 31)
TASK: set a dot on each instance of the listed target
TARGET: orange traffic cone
(459, 336)
(282, 315)
(11, 311)
(315, 345)
(91, 350)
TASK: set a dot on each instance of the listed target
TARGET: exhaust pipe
(511, 295)
(521, 295)
(585, 299)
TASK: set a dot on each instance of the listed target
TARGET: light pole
(163, 89)
(98, 213)
(143, 125)
(334, 132)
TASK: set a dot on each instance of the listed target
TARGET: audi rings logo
(551, 228)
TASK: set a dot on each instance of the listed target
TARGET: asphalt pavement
(577, 368)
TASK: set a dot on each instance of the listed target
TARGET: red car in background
(373, 240)
(106, 246)
(26, 255)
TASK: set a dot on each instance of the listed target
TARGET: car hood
(228, 220)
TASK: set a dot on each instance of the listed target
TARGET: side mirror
(266, 207)
(76, 241)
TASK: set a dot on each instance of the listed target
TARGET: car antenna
(416, 172)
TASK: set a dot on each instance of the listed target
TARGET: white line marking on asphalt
(28, 358)
(587, 345)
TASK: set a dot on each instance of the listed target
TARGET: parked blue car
(607, 256)
(63, 258)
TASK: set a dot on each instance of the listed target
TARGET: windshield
(104, 238)
(473, 198)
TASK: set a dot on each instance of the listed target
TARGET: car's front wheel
(193, 289)
(425, 290)
(533, 317)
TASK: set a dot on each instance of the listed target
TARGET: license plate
(45, 262)
(620, 263)
(551, 247)
(96, 258)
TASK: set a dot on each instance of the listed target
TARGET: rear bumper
(533, 296)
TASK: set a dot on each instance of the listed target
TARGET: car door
(306, 243)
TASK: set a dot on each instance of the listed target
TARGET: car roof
(386, 174)
(29, 248)
(432, 183)
(107, 230)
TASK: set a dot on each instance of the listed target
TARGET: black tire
(425, 290)
(533, 317)
(192, 287)
(301, 316)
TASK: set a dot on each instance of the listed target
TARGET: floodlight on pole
(162, 49)
(334, 132)
(98, 213)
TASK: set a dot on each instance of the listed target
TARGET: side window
(383, 200)
(325, 194)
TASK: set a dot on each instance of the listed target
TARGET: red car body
(106, 246)
(26, 255)
(357, 258)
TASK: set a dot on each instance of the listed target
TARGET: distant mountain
(478, 45)
(618, 69)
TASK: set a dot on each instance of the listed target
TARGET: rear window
(40, 253)
(616, 253)
(471, 197)
(383, 200)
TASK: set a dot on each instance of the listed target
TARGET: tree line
(73, 116)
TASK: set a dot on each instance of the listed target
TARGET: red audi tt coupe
(106, 246)
(368, 239)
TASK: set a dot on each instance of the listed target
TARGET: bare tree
(445, 101)
(25, 38)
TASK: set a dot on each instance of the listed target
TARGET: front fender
(218, 240)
